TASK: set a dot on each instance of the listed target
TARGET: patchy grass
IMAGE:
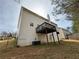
(66, 50)
(8, 43)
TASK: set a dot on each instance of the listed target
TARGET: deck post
(53, 38)
(46, 36)
(58, 37)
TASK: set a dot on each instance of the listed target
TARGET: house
(74, 36)
(63, 33)
(33, 27)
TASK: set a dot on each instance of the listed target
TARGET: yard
(7, 43)
(68, 49)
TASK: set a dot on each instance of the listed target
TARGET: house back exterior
(27, 25)
(64, 33)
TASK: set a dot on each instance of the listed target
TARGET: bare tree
(4, 34)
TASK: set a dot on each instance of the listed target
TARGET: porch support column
(46, 36)
(53, 38)
(58, 37)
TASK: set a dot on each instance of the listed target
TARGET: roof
(37, 15)
(64, 29)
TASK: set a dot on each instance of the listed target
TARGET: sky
(10, 10)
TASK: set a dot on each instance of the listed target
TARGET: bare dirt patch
(66, 50)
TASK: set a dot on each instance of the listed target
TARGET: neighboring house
(63, 33)
(74, 36)
(33, 27)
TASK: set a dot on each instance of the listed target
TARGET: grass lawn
(7, 43)
(66, 50)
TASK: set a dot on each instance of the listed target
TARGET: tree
(4, 34)
(71, 8)
(74, 10)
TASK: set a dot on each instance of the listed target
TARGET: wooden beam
(53, 38)
(46, 36)
(58, 37)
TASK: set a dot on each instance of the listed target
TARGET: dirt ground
(65, 50)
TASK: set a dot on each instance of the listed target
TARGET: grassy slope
(66, 50)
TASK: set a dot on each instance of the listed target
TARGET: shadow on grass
(47, 45)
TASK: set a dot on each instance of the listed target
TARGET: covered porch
(46, 28)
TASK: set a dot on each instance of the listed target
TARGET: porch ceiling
(45, 27)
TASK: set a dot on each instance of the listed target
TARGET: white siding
(27, 33)
(63, 33)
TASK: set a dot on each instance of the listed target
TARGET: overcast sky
(9, 13)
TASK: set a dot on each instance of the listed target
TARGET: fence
(8, 43)
(74, 36)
